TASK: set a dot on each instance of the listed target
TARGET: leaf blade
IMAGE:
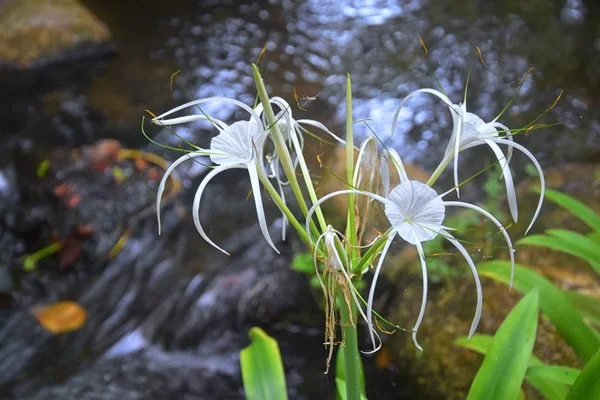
(505, 364)
(550, 390)
(587, 385)
(553, 303)
(577, 208)
(262, 368)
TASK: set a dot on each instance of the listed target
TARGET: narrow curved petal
(397, 161)
(510, 186)
(508, 136)
(467, 257)
(260, 211)
(436, 93)
(320, 126)
(190, 118)
(539, 170)
(334, 194)
(359, 159)
(423, 298)
(198, 197)
(457, 133)
(282, 195)
(163, 181)
(374, 284)
(238, 103)
(489, 216)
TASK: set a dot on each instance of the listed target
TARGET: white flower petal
(311, 211)
(397, 161)
(320, 126)
(540, 172)
(436, 93)
(510, 187)
(489, 216)
(163, 181)
(236, 143)
(467, 257)
(260, 212)
(386, 247)
(423, 298)
(193, 103)
(198, 197)
(415, 211)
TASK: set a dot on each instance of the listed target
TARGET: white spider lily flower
(234, 147)
(416, 213)
(334, 264)
(293, 134)
(469, 131)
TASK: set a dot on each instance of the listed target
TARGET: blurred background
(153, 317)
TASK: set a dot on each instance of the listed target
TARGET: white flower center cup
(415, 211)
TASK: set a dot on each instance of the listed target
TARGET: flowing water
(164, 305)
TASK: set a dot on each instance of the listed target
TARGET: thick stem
(350, 348)
(282, 150)
(440, 168)
(350, 228)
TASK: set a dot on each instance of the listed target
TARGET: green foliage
(550, 389)
(505, 364)
(553, 303)
(577, 208)
(587, 385)
(566, 309)
(568, 242)
(262, 369)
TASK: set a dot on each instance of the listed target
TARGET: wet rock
(445, 370)
(165, 317)
(35, 32)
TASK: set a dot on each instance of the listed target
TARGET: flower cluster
(269, 145)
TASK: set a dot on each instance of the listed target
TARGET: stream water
(181, 309)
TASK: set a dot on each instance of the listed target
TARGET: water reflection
(313, 44)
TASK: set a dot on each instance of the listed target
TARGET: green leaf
(553, 303)
(262, 369)
(550, 390)
(303, 262)
(568, 242)
(554, 373)
(503, 369)
(577, 208)
(587, 306)
(587, 385)
(340, 384)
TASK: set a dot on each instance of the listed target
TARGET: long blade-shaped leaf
(587, 385)
(555, 373)
(340, 384)
(503, 369)
(552, 302)
(577, 208)
(568, 242)
(588, 307)
(262, 369)
(550, 390)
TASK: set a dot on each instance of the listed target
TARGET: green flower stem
(350, 226)
(308, 182)
(350, 348)
(438, 171)
(279, 201)
(278, 140)
(372, 252)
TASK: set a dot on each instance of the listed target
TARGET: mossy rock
(37, 32)
(446, 371)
